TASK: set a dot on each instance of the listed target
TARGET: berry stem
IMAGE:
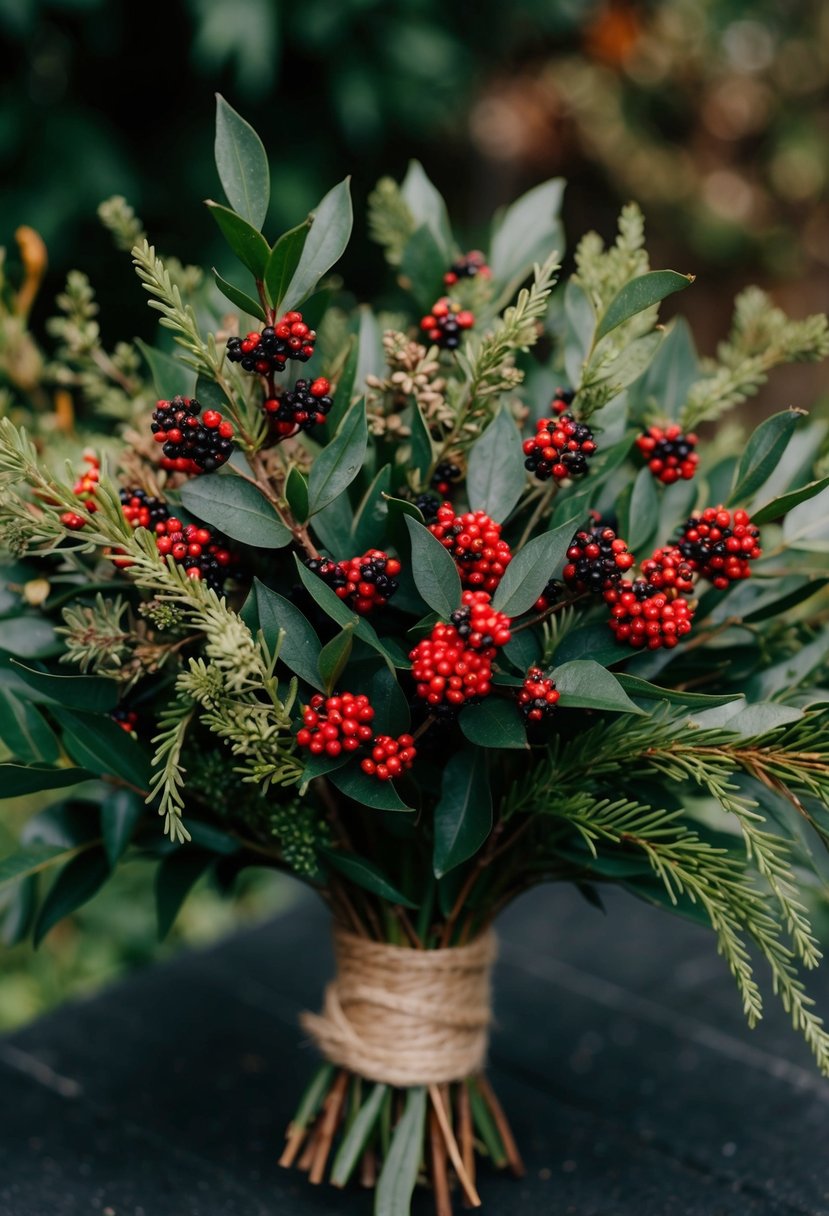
(424, 726)
(262, 482)
(542, 616)
(541, 506)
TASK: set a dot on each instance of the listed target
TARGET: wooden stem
(368, 1169)
(296, 1136)
(440, 1176)
(328, 1126)
(466, 1135)
(504, 1130)
(452, 1146)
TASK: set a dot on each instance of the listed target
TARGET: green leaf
(778, 507)
(643, 512)
(238, 297)
(365, 874)
(423, 449)
(120, 812)
(357, 1135)
(247, 242)
(463, 815)
(242, 164)
(434, 571)
(628, 365)
(398, 1177)
(334, 607)
(762, 453)
(423, 264)
(579, 327)
(18, 779)
(524, 649)
(528, 232)
(296, 492)
(340, 462)
(805, 527)
(325, 244)
(427, 207)
(103, 747)
(674, 369)
(29, 637)
(175, 878)
(332, 527)
(25, 732)
(368, 791)
(494, 722)
(637, 687)
(334, 657)
(585, 684)
(637, 295)
(369, 525)
(495, 473)
(33, 859)
(391, 708)
(320, 766)
(300, 646)
(93, 693)
(236, 508)
(283, 262)
(594, 641)
(17, 911)
(77, 882)
(171, 377)
(531, 569)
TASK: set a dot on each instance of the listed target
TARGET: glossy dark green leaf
(637, 295)
(494, 722)
(529, 231)
(778, 507)
(762, 453)
(211, 396)
(103, 747)
(334, 656)
(391, 708)
(75, 884)
(175, 878)
(643, 512)
(423, 450)
(594, 641)
(92, 693)
(214, 840)
(296, 492)
(331, 223)
(635, 686)
(398, 1177)
(18, 779)
(434, 571)
(332, 528)
(25, 732)
(366, 874)
(463, 815)
(368, 791)
(674, 369)
(247, 242)
(524, 649)
(369, 525)
(33, 859)
(120, 813)
(340, 462)
(334, 607)
(29, 637)
(236, 508)
(18, 906)
(171, 377)
(238, 297)
(283, 262)
(242, 164)
(300, 646)
(532, 567)
(320, 766)
(585, 684)
(495, 475)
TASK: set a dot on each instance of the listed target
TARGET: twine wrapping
(404, 1016)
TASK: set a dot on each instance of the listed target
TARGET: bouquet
(423, 604)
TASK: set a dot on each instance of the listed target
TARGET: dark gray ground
(632, 1084)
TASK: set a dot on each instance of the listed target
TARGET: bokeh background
(713, 114)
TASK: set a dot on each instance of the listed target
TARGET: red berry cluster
(719, 545)
(670, 453)
(667, 569)
(143, 510)
(538, 696)
(559, 449)
(446, 322)
(197, 549)
(193, 442)
(445, 477)
(85, 488)
(299, 409)
(467, 267)
(596, 560)
(448, 672)
(642, 616)
(365, 582)
(389, 757)
(479, 625)
(268, 352)
(127, 719)
(332, 725)
(474, 540)
(562, 398)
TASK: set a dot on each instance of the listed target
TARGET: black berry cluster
(428, 505)
(364, 583)
(267, 352)
(469, 266)
(643, 616)
(192, 442)
(597, 559)
(719, 545)
(143, 510)
(549, 596)
(538, 696)
(301, 408)
(201, 553)
(446, 476)
(480, 625)
(669, 453)
(474, 540)
(445, 324)
(560, 448)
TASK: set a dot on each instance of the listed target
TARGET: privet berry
(445, 477)
(560, 448)
(669, 453)
(479, 625)
(597, 559)
(298, 409)
(467, 267)
(474, 540)
(445, 324)
(448, 673)
(192, 442)
(719, 544)
(642, 616)
(332, 725)
(143, 510)
(365, 582)
(85, 488)
(389, 757)
(197, 549)
(538, 696)
(127, 719)
(562, 398)
(428, 505)
(667, 568)
(549, 596)
(267, 352)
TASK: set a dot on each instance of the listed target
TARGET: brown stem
(504, 1130)
(407, 926)
(310, 1149)
(466, 1135)
(439, 1108)
(542, 616)
(368, 1169)
(440, 1175)
(331, 1114)
(295, 1138)
(424, 726)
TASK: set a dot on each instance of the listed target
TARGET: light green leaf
(495, 475)
(242, 164)
(427, 207)
(247, 242)
(531, 569)
(325, 244)
(339, 463)
(528, 232)
(637, 295)
(585, 684)
(398, 1177)
(357, 1134)
(170, 376)
(236, 508)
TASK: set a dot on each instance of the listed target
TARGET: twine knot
(403, 1016)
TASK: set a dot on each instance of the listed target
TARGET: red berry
(448, 673)
(559, 449)
(445, 323)
(538, 696)
(366, 582)
(597, 559)
(191, 444)
(643, 616)
(301, 408)
(669, 453)
(467, 267)
(719, 546)
(268, 351)
(478, 624)
(474, 540)
(335, 724)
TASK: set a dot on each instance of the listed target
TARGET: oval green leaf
(242, 164)
(237, 509)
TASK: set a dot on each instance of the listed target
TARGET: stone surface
(633, 1085)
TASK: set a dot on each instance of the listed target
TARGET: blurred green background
(715, 116)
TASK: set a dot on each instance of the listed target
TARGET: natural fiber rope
(406, 1016)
